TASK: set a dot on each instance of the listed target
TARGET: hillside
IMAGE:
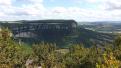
(89, 37)
(104, 26)
(83, 36)
(61, 37)
(49, 55)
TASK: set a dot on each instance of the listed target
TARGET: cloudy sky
(79, 10)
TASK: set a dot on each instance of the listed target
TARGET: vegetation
(47, 55)
(64, 36)
(11, 53)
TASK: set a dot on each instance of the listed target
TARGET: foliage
(76, 56)
(11, 53)
(47, 55)
(109, 61)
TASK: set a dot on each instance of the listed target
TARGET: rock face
(43, 30)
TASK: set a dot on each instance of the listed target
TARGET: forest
(48, 55)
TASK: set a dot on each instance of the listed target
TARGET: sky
(79, 10)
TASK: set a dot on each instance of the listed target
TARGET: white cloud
(113, 4)
(5, 2)
(92, 1)
(10, 11)
(36, 1)
(2, 14)
(36, 10)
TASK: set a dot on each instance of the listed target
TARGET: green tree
(46, 54)
(109, 61)
(117, 42)
(11, 53)
(76, 56)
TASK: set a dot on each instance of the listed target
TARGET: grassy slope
(88, 37)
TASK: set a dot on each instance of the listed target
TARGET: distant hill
(89, 37)
(58, 36)
(104, 26)
(82, 36)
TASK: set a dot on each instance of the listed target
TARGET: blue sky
(69, 3)
(79, 10)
